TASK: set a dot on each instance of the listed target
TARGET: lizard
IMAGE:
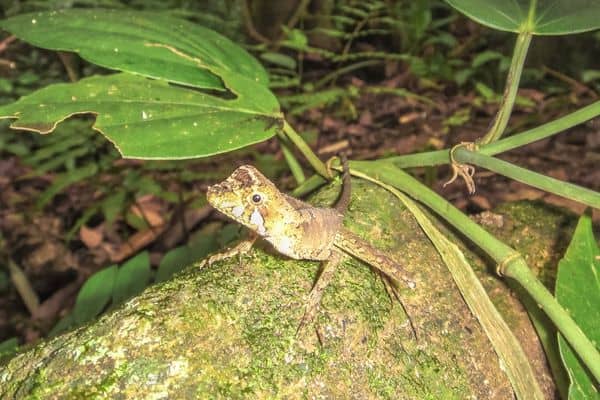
(295, 228)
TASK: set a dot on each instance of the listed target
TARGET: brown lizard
(295, 228)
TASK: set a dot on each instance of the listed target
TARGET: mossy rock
(229, 331)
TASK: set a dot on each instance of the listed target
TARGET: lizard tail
(344, 200)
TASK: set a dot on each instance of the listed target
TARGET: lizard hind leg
(328, 269)
(393, 291)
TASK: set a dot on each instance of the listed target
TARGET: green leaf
(9, 346)
(578, 291)
(150, 44)
(113, 205)
(50, 150)
(64, 180)
(132, 278)
(94, 295)
(183, 256)
(228, 234)
(486, 91)
(173, 262)
(150, 119)
(485, 57)
(66, 323)
(540, 17)
(295, 38)
(279, 59)
(590, 75)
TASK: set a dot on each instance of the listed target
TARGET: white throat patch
(257, 220)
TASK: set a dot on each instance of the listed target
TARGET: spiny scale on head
(245, 176)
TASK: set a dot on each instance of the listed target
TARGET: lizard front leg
(328, 269)
(239, 249)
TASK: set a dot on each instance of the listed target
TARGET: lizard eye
(256, 198)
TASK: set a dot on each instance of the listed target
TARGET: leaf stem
(291, 160)
(311, 157)
(518, 270)
(510, 91)
(540, 181)
(543, 131)
(551, 128)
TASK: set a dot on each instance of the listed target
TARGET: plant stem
(309, 185)
(294, 165)
(546, 183)
(425, 159)
(390, 174)
(518, 270)
(551, 128)
(510, 91)
(510, 262)
(543, 131)
(311, 157)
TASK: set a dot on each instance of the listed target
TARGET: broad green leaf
(540, 17)
(94, 295)
(177, 259)
(150, 44)
(173, 262)
(578, 291)
(132, 277)
(151, 119)
(202, 244)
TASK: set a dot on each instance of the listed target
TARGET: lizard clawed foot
(465, 171)
(314, 298)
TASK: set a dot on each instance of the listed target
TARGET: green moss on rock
(229, 331)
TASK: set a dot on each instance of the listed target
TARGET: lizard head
(249, 198)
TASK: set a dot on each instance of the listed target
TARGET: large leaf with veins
(149, 119)
(146, 43)
(539, 17)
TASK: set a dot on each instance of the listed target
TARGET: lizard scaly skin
(295, 228)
